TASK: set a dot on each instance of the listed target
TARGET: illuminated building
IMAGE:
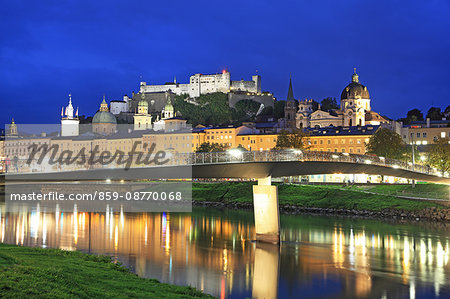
(104, 122)
(354, 109)
(69, 121)
(426, 132)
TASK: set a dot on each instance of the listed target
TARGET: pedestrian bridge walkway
(242, 164)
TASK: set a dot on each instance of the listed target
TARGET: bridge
(251, 165)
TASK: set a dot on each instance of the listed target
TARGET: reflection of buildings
(212, 251)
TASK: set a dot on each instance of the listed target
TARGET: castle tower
(69, 122)
(290, 110)
(142, 120)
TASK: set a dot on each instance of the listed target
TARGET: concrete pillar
(267, 216)
(266, 271)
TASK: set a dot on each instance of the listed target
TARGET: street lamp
(235, 153)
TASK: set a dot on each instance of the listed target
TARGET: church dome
(169, 106)
(104, 117)
(355, 90)
(142, 103)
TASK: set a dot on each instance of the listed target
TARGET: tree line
(434, 113)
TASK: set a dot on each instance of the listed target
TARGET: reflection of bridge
(257, 165)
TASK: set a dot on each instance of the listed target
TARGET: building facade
(426, 132)
(355, 110)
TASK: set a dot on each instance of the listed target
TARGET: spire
(175, 79)
(69, 109)
(76, 114)
(104, 105)
(355, 77)
(12, 121)
(290, 96)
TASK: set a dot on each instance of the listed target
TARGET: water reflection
(212, 250)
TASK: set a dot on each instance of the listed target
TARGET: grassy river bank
(52, 273)
(376, 201)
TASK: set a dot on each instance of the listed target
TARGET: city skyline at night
(91, 50)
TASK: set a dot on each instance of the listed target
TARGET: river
(212, 250)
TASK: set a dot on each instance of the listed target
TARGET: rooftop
(342, 131)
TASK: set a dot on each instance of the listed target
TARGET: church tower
(290, 109)
(355, 102)
(12, 130)
(69, 122)
(168, 111)
(142, 120)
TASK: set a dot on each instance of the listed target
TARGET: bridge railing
(232, 156)
(297, 155)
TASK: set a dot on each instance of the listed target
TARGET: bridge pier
(266, 271)
(267, 215)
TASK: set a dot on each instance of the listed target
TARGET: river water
(212, 250)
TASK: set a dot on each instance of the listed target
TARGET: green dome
(104, 117)
(168, 107)
(143, 103)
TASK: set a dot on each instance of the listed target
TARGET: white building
(116, 106)
(69, 122)
(166, 114)
(202, 84)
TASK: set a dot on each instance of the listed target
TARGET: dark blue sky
(49, 48)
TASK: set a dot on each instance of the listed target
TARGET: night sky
(401, 50)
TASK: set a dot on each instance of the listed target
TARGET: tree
(296, 139)
(212, 109)
(414, 115)
(245, 110)
(315, 105)
(439, 154)
(434, 113)
(207, 147)
(328, 104)
(447, 111)
(278, 110)
(386, 143)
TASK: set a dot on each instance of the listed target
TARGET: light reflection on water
(212, 250)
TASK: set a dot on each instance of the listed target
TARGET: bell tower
(290, 109)
(69, 122)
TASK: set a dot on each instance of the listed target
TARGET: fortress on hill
(202, 84)
(157, 96)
